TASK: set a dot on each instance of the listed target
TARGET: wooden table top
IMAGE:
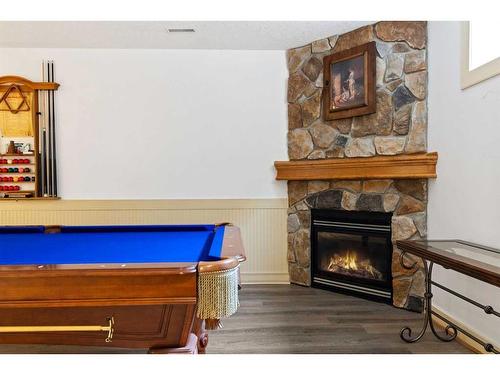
(477, 261)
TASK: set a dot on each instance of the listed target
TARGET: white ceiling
(269, 35)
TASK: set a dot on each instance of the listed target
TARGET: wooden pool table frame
(153, 304)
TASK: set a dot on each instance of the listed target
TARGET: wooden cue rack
(20, 116)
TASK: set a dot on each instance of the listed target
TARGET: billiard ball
(33, 179)
(16, 170)
(27, 170)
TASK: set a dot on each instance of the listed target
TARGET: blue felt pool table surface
(110, 244)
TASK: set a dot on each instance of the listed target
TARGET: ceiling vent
(180, 30)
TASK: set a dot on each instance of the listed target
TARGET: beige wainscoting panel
(262, 223)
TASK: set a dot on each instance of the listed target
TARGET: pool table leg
(190, 348)
(201, 334)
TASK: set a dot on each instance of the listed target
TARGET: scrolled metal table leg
(450, 330)
(406, 332)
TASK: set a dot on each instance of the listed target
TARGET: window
(480, 52)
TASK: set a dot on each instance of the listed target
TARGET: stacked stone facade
(398, 127)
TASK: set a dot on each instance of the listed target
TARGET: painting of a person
(348, 83)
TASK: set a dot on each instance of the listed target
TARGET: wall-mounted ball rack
(27, 136)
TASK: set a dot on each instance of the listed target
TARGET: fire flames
(350, 265)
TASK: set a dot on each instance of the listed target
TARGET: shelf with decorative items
(27, 137)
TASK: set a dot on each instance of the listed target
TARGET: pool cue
(39, 149)
(39, 139)
(45, 135)
(48, 141)
(49, 137)
(54, 165)
(42, 136)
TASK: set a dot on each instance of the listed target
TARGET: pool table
(152, 287)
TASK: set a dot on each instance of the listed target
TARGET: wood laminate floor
(294, 319)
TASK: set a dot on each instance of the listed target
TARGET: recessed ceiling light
(180, 30)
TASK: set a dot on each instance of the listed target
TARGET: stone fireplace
(398, 127)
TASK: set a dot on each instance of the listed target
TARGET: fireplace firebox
(351, 252)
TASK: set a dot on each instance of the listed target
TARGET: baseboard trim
(265, 278)
(461, 338)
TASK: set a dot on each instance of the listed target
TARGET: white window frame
(481, 73)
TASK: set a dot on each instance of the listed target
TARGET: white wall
(464, 201)
(165, 124)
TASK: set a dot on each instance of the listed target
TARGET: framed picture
(349, 82)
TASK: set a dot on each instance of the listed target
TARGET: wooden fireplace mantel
(378, 167)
